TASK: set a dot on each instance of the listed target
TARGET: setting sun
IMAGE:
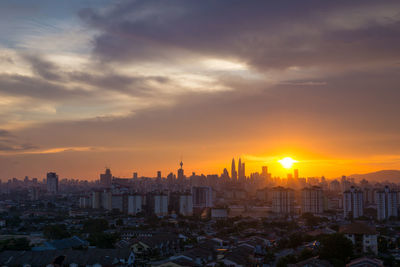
(287, 162)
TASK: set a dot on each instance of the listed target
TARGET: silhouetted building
(181, 176)
(241, 171)
(233, 171)
(52, 183)
(106, 178)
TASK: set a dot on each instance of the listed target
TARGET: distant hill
(379, 176)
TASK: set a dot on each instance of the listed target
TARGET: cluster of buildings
(184, 195)
(160, 203)
(250, 201)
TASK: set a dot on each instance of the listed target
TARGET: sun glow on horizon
(287, 162)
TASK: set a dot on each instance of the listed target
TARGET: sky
(138, 86)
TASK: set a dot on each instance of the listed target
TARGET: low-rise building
(363, 236)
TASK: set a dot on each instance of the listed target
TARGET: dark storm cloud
(262, 33)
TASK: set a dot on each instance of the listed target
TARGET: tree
(305, 254)
(56, 231)
(284, 261)
(15, 244)
(103, 240)
(269, 257)
(295, 240)
(95, 226)
(336, 246)
(382, 244)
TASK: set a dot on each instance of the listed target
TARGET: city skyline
(88, 84)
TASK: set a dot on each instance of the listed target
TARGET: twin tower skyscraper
(240, 174)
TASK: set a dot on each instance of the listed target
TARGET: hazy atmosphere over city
(140, 85)
(218, 133)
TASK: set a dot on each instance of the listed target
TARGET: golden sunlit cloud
(287, 162)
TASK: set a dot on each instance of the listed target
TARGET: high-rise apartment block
(202, 197)
(312, 200)
(134, 204)
(386, 201)
(353, 204)
(282, 200)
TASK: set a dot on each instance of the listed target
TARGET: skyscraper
(386, 200)
(52, 183)
(233, 171)
(353, 203)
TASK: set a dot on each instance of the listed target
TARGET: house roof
(198, 253)
(157, 239)
(358, 228)
(240, 255)
(81, 257)
(312, 262)
(67, 243)
(365, 262)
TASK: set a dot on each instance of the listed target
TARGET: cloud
(4, 133)
(10, 143)
(265, 35)
(44, 68)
